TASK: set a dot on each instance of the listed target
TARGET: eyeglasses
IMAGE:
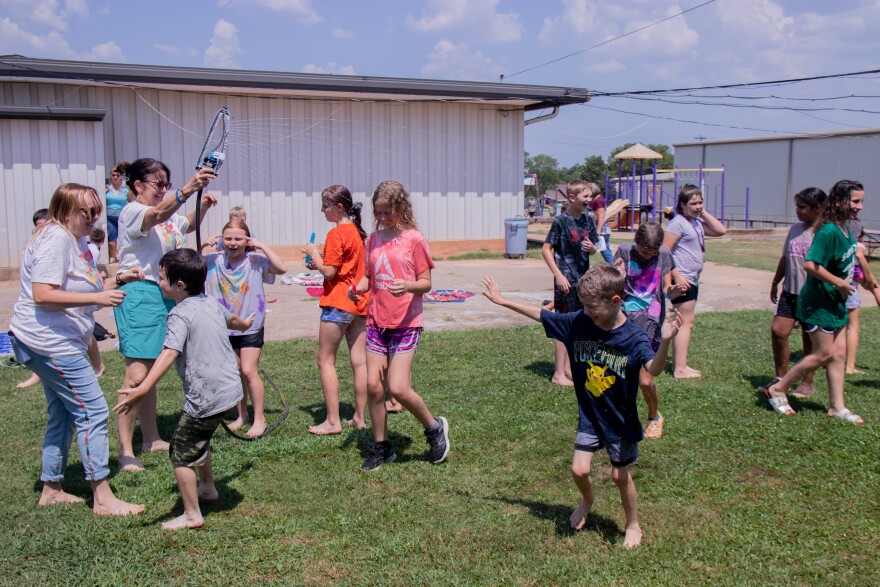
(91, 212)
(159, 185)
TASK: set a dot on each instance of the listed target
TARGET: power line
(754, 106)
(609, 40)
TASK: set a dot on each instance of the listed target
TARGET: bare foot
(579, 516)
(257, 429)
(687, 373)
(113, 506)
(271, 300)
(325, 428)
(208, 492)
(357, 424)
(238, 423)
(632, 538)
(854, 371)
(32, 380)
(127, 463)
(100, 370)
(564, 381)
(158, 445)
(53, 494)
(183, 522)
(393, 406)
(803, 390)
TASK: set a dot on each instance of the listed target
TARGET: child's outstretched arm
(667, 333)
(493, 294)
(236, 323)
(129, 397)
(276, 263)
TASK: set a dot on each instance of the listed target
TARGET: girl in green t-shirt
(821, 305)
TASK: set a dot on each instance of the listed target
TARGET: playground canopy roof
(638, 151)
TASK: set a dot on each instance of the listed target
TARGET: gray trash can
(516, 237)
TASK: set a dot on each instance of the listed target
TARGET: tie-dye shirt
(643, 289)
(55, 257)
(144, 249)
(239, 287)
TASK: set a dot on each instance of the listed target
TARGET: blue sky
(726, 41)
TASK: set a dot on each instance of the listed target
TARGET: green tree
(546, 168)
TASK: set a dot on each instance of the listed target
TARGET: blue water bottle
(312, 241)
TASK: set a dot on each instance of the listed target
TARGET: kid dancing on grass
(567, 249)
(607, 353)
(236, 274)
(342, 265)
(398, 274)
(821, 305)
(197, 341)
(808, 206)
(648, 268)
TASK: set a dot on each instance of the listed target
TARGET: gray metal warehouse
(457, 146)
(774, 168)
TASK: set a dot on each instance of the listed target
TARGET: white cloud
(609, 66)
(343, 34)
(14, 39)
(468, 16)
(330, 68)
(456, 61)
(46, 12)
(109, 51)
(578, 17)
(223, 47)
(302, 10)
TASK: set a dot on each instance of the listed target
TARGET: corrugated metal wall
(462, 163)
(763, 166)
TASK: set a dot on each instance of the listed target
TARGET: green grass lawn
(731, 495)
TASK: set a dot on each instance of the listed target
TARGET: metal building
(457, 146)
(775, 168)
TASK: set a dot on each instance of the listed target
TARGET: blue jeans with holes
(75, 402)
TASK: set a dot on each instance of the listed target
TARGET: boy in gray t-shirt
(198, 342)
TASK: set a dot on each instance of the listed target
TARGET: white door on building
(36, 156)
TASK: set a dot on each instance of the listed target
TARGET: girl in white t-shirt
(236, 275)
(685, 237)
(51, 326)
(398, 274)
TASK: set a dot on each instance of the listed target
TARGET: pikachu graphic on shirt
(597, 381)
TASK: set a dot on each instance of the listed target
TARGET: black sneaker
(438, 441)
(382, 452)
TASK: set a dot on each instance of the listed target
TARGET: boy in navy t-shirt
(607, 352)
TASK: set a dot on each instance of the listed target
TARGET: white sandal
(781, 406)
(845, 414)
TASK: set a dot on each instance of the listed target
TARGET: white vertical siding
(461, 162)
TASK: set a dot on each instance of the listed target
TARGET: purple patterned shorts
(392, 341)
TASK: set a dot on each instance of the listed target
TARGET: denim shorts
(787, 305)
(112, 229)
(392, 341)
(620, 452)
(853, 300)
(336, 315)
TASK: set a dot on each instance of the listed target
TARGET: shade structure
(638, 151)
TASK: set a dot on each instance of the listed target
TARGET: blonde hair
(397, 197)
(237, 213)
(576, 186)
(67, 200)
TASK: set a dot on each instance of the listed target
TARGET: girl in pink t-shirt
(398, 274)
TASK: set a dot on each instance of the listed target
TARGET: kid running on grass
(861, 276)
(236, 275)
(607, 353)
(648, 268)
(197, 341)
(398, 274)
(567, 251)
(808, 205)
(821, 305)
(342, 265)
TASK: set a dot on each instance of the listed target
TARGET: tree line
(593, 168)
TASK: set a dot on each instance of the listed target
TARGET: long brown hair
(339, 194)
